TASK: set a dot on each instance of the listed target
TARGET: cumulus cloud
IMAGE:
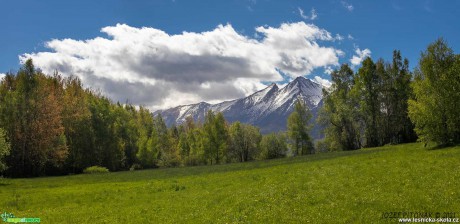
(323, 82)
(313, 14)
(350, 37)
(151, 67)
(360, 56)
(2, 75)
(347, 6)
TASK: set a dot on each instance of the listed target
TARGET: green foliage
(244, 142)
(273, 146)
(298, 129)
(4, 150)
(145, 152)
(55, 126)
(95, 169)
(340, 113)
(395, 91)
(32, 118)
(435, 107)
(367, 90)
(215, 138)
(368, 108)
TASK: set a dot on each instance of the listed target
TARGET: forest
(53, 125)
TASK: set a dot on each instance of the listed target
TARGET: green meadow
(337, 187)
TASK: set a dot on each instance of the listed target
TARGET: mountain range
(267, 109)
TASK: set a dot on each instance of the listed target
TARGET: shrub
(95, 169)
(135, 166)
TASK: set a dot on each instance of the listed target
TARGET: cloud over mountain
(151, 67)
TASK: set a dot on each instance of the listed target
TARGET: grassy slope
(339, 187)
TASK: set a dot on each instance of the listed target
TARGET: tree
(32, 119)
(340, 113)
(215, 137)
(435, 106)
(75, 119)
(395, 92)
(244, 142)
(47, 131)
(162, 151)
(273, 146)
(367, 88)
(145, 152)
(298, 129)
(4, 150)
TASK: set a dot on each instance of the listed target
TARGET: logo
(10, 218)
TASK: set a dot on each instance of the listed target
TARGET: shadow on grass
(439, 147)
(166, 173)
(4, 182)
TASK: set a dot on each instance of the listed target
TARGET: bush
(135, 166)
(95, 169)
(273, 146)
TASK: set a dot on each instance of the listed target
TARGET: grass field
(337, 187)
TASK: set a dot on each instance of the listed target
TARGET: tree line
(385, 103)
(50, 125)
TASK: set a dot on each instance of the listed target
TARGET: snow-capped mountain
(268, 108)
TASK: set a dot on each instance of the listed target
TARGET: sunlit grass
(338, 187)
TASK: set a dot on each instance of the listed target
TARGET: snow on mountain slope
(268, 108)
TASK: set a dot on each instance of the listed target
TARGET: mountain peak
(303, 83)
(300, 79)
(263, 93)
(273, 85)
(267, 108)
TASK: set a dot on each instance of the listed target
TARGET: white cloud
(313, 14)
(339, 37)
(328, 70)
(151, 67)
(2, 75)
(302, 14)
(360, 56)
(347, 6)
(350, 37)
(324, 82)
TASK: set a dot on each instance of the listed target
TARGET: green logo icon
(10, 218)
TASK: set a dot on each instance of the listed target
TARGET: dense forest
(51, 125)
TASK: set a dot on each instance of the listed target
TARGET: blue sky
(374, 28)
